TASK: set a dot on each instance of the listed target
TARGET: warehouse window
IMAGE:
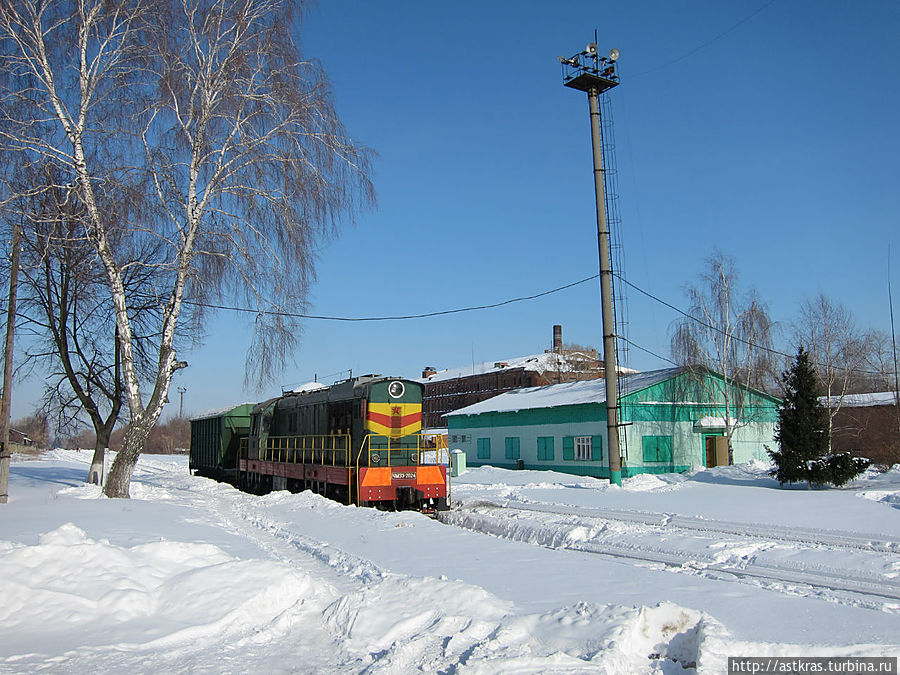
(545, 448)
(512, 447)
(657, 448)
(484, 448)
(583, 448)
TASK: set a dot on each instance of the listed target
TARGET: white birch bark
(239, 141)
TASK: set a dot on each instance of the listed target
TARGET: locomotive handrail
(308, 449)
(337, 450)
(439, 449)
(327, 448)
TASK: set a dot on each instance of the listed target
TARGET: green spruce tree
(802, 433)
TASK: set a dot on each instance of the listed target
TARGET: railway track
(674, 522)
(690, 545)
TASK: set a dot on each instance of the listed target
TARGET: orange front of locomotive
(399, 468)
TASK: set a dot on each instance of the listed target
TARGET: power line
(701, 321)
(424, 315)
(710, 326)
(646, 350)
(708, 42)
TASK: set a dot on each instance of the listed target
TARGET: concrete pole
(609, 323)
(5, 451)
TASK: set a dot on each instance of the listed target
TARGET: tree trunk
(95, 473)
(119, 478)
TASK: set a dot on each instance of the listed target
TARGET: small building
(17, 437)
(672, 420)
(452, 389)
(867, 425)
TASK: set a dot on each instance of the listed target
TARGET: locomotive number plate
(403, 475)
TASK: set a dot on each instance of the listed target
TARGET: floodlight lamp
(591, 49)
(613, 54)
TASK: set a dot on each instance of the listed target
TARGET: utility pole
(5, 452)
(893, 343)
(589, 72)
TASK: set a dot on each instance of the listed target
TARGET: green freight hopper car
(216, 439)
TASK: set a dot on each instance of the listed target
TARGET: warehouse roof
(861, 400)
(568, 393)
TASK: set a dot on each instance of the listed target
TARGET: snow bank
(645, 482)
(70, 592)
(661, 575)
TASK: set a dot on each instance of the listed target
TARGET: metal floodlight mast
(589, 72)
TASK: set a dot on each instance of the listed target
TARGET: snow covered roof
(541, 363)
(567, 393)
(218, 412)
(860, 400)
(710, 422)
(309, 386)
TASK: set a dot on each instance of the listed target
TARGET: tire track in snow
(588, 530)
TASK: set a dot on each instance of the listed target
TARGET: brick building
(868, 425)
(449, 390)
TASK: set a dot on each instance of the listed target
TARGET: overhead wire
(425, 315)
(404, 317)
(715, 328)
(706, 44)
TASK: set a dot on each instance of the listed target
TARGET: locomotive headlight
(396, 389)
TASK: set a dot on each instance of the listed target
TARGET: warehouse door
(716, 450)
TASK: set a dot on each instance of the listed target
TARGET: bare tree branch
(730, 334)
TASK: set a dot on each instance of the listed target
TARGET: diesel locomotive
(358, 441)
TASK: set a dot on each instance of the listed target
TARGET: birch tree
(207, 108)
(729, 332)
(65, 308)
(840, 352)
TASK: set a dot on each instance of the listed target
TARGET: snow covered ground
(529, 572)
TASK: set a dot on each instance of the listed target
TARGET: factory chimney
(557, 339)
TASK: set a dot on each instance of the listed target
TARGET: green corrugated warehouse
(673, 420)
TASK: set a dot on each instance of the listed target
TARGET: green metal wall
(672, 408)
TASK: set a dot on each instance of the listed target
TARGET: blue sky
(765, 129)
